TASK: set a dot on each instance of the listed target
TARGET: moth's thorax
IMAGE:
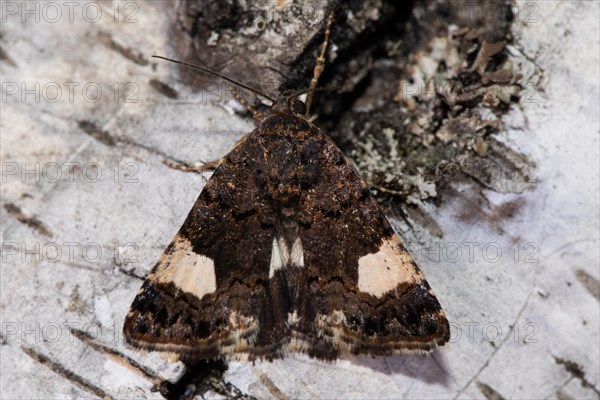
(287, 119)
(286, 124)
(287, 136)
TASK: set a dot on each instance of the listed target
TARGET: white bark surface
(525, 323)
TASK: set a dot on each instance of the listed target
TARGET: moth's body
(285, 250)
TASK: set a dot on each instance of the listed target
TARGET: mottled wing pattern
(361, 291)
(209, 293)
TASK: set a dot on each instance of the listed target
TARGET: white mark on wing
(282, 256)
(277, 261)
(297, 254)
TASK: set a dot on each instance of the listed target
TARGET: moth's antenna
(255, 91)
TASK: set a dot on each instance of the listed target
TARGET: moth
(285, 250)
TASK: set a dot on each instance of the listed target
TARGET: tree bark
(88, 204)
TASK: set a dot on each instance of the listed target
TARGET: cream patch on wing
(193, 273)
(282, 255)
(380, 272)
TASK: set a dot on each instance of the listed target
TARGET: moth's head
(289, 102)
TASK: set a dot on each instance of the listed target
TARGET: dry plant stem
(388, 191)
(319, 65)
(194, 168)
